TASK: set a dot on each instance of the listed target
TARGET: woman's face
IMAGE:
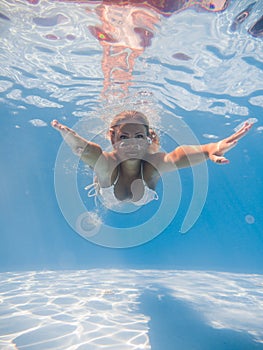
(131, 141)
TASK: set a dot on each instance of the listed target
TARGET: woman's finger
(219, 160)
(241, 132)
(230, 144)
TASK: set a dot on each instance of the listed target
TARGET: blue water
(120, 280)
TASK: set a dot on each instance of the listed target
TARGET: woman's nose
(130, 143)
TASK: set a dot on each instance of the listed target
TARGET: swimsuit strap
(92, 189)
(117, 178)
(142, 173)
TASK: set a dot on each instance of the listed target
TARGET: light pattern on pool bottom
(97, 309)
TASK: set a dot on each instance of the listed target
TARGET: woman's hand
(217, 150)
(62, 128)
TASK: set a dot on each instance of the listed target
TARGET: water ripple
(52, 49)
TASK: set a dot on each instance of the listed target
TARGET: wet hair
(132, 117)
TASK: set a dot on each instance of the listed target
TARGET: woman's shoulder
(156, 158)
(109, 159)
(106, 164)
(159, 161)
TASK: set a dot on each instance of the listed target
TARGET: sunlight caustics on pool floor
(120, 309)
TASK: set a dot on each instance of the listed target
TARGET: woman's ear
(149, 140)
(153, 136)
(155, 144)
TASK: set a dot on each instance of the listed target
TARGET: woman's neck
(131, 167)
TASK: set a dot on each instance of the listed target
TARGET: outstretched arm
(217, 150)
(185, 156)
(89, 152)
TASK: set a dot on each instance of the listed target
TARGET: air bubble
(250, 219)
(88, 224)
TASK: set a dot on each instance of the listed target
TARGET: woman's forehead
(132, 127)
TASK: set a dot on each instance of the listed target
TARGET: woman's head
(134, 124)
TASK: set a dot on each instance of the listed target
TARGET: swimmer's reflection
(127, 29)
(124, 33)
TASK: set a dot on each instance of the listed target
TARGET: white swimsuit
(108, 194)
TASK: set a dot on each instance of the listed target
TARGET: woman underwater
(130, 172)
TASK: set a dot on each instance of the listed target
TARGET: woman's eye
(139, 136)
(123, 137)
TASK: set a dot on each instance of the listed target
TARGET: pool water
(78, 274)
